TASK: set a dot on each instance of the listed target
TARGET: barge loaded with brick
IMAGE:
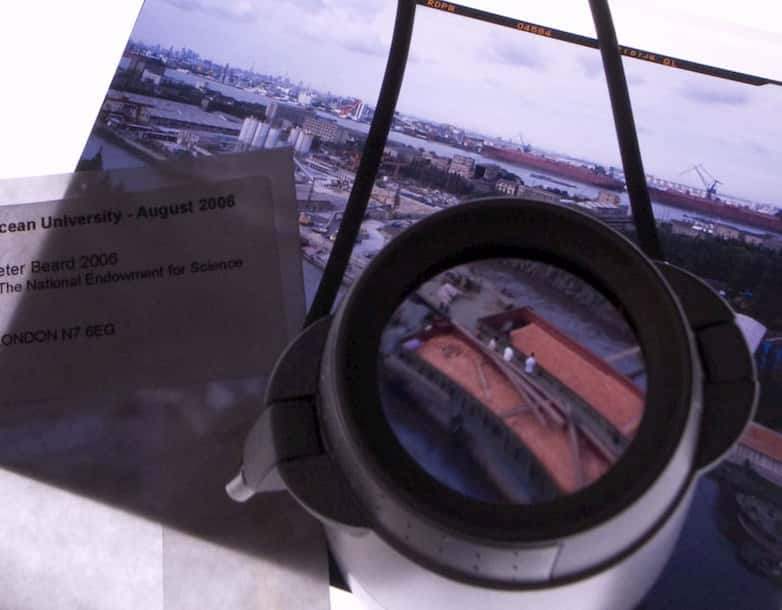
(536, 437)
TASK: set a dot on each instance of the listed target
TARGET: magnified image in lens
(511, 380)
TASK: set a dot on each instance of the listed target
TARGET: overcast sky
(494, 80)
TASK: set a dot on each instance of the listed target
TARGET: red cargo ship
(581, 173)
(714, 207)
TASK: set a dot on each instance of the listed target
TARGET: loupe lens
(511, 381)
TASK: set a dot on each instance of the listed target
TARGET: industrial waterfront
(427, 166)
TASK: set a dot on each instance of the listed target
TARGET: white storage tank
(261, 135)
(272, 137)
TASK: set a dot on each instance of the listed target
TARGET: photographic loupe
(509, 409)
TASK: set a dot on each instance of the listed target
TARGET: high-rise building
(325, 129)
(462, 166)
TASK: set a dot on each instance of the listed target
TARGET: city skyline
(499, 82)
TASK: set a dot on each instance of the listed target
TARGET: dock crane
(711, 189)
(524, 146)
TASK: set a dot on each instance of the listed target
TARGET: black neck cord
(635, 178)
(357, 203)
